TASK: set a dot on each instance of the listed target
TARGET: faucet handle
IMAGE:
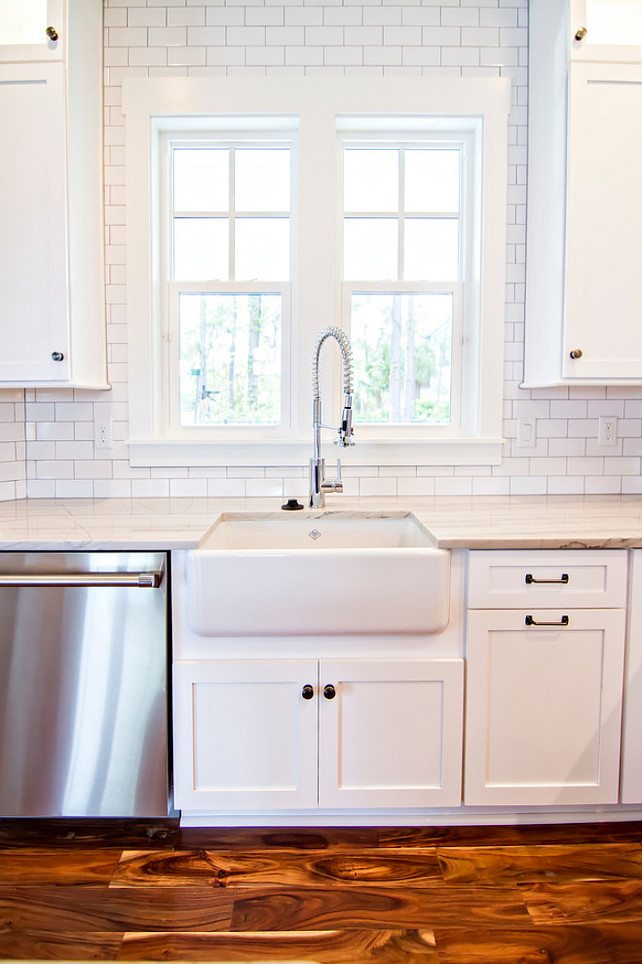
(333, 485)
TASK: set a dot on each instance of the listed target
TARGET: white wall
(291, 38)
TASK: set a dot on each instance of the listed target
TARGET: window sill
(166, 452)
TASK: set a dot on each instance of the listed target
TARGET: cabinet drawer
(586, 578)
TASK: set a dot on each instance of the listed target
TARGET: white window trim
(153, 106)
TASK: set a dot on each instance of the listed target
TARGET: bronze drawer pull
(531, 622)
(530, 579)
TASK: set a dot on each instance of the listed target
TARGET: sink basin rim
(269, 533)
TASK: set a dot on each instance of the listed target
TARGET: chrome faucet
(319, 485)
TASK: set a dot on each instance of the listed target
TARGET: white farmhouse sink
(329, 574)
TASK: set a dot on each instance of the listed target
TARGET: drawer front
(586, 578)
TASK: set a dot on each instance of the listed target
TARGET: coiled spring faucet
(319, 485)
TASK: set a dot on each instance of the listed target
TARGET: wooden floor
(132, 892)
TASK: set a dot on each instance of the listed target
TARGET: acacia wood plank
(88, 832)
(607, 901)
(599, 944)
(392, 868)
(499, 836)
(75, 909)
(427, 907)
(34, 945)
(58, 865)
(324, 947)
(276, 838)
(566, 862)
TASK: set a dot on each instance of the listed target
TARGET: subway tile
(146, 17)
(185, 16)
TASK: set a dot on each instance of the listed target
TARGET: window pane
(370, 180)
(402, 347)
(432, 180)
(201, 249)
(201, 179)
(262, 249)
(431, 249)
(614, 21)
(230, 359)
(262, 180)
(370, 249)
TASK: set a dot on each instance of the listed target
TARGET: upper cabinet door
(33, 243)
(604, 223)
(604, 30)
(31, 30)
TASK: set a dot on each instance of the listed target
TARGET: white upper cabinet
(604, 213)
(51, 195)
(605, 30)
(32, 246)
(31, 30)
(584, 231)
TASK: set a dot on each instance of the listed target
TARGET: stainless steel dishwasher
(83, 693)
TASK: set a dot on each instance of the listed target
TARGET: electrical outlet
(102, 435)
(526, 433)
(607, 431)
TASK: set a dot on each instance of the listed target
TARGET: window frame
(170, 289)
(320, 108)
(353, 133)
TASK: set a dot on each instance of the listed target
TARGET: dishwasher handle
(63, 580)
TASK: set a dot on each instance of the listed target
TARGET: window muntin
(230, 212)
(402, 223)
(229, 272)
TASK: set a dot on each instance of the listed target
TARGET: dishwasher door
(83, 684)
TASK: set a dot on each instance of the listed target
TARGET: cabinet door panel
(33, 245)
(544, 708)
(391, 737)
(244, 737)
(613, 31)
(604, 250)
(23, 26)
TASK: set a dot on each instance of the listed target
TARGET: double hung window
(283, 211)
(228, 267)
(404, 259)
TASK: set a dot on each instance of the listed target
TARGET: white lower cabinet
(544, 689)
(294, 734)
(545, 665)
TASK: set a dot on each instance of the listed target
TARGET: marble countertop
(482, 522)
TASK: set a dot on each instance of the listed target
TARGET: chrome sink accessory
(319, 485)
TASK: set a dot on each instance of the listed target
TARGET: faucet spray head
(346, 431)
